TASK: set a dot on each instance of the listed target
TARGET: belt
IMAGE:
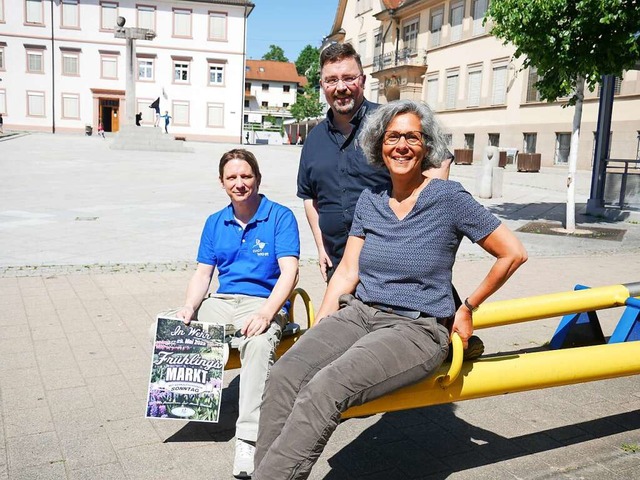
(403, 312)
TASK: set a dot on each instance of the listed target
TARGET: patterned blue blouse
(408, 263)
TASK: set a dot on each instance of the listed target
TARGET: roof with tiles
(273, 71)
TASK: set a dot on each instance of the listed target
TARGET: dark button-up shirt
(334, 171)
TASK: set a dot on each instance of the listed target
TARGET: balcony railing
(404, 56)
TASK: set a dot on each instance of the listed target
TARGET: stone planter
(463, 156)
(529, 162)
(502, 162)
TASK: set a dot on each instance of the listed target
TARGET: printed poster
(186, 371)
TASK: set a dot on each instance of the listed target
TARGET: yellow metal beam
(505, 312)
(512, 373)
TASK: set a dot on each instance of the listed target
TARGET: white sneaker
(243, 461)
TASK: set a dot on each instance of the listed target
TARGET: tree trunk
(570, 218)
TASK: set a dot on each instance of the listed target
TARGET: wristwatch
(469, 306)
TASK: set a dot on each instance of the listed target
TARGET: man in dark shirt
(333, 169)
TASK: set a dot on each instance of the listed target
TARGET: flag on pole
(156, 105)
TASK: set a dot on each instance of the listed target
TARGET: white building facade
(439, 52)
(270, 89)
(62, 68)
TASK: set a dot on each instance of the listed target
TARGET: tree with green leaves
(308, 64)
(275, 53)
(307, 105)
(570, 43)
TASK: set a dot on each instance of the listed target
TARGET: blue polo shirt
(334, 171)
(247, 259)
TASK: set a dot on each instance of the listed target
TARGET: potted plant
(529, 162)
(463, 156)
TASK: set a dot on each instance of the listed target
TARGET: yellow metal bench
(513, 372)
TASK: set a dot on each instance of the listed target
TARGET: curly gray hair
(375, 125)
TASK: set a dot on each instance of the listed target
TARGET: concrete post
(131, 34)
(130, 88)
(489, 177)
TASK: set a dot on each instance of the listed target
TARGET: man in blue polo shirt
(255, 245)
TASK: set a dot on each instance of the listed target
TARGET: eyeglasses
(348, 81)
(412, 138)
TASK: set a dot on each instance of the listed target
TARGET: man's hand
(325, 263)
(255, 324)
(463, 325)
(186, 314)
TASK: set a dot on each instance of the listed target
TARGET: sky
(290, 24)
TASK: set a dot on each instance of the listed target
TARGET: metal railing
(404, 56)
(628, 169)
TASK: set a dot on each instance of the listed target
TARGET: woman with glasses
(388, 312)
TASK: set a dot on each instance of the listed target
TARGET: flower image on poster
(186, 371)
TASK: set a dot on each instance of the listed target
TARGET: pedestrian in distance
(388, 312)
(167, 119)
(138, 118)
(101, 129)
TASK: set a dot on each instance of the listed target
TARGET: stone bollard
(489, 177)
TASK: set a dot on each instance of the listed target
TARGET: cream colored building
(62, 68)
(270, 88)
(439, 52)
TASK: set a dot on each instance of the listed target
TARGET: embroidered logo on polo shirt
(259, 247)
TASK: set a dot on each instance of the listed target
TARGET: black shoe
(474, 350)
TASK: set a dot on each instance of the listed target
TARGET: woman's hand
(463, 325)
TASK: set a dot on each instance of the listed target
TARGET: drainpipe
(384, 36)
(244, 71)
(53, 76)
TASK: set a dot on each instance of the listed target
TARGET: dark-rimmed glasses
(412, 138)
(348, 81)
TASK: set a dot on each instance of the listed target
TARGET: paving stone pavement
(95, 242)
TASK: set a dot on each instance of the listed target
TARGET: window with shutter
(456, 15)
(215, 115)
(432, 93)
(437, 16)
(479, 9)
(70, 105)
(533, 95)
(475, 82)
(34, 12)
(217, 26)
(180, 113)
(146, 17)
(181, 23)
(35, 104)
(108, 15)
(70, 14)
(452, 90)
(499, 90)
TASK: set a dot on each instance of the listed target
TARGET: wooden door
(115, 117)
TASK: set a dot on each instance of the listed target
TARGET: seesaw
(517, 372)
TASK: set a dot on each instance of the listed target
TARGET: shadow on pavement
(223, 431)
(432, 443)
(553, 211)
